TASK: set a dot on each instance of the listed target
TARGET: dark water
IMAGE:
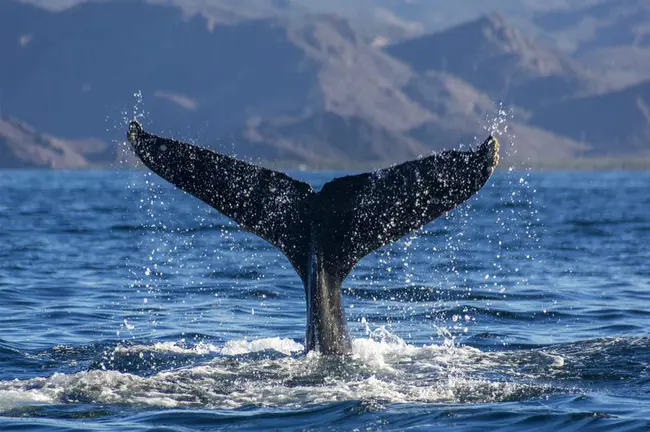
(127, 305)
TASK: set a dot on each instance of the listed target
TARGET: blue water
(128, 305)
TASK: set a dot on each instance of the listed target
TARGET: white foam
(169, 347)
(281, 345)
(13, 398)
(382, 368)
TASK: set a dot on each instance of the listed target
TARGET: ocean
(128, 305)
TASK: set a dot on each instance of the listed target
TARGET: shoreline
(640, 164)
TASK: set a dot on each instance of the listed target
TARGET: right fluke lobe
(135, 131)
(490, 148)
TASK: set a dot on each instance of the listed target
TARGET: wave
(424, 293)
(274, 372)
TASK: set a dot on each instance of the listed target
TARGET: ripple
(87, 333)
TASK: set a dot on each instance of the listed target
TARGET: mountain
(411, 15)
(592, 120)
(498, 59)
(326, 139)
(316, 72)
(609, 23)
(23, 147)
(90, 68)
(300, 88)
(613, 36)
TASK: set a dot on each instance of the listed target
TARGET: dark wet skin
(323, 234)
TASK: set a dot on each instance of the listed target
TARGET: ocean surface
(128, 305)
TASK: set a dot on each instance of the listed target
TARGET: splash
(383, 368)
(238, 347)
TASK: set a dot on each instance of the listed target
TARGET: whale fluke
(323, 234)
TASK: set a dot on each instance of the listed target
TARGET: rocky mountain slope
(23, 147)
(497, 58)
(594, 120)
(613, 36)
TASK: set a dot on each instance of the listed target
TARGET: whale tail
(349, 218)
(323, 234)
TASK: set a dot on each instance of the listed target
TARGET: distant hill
(591, 120)
(499, 60)
(327, 139)
(418, 15)
(23, 147)
(270, 86)
(192, 73)
(613, 35)
(609, 23)
(88, 61)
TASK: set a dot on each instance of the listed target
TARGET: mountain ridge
(499, 60)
